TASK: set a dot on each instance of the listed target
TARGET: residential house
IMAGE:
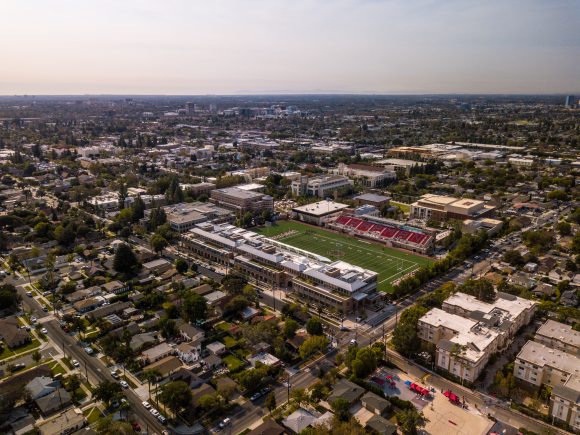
(522, 279)
(54, 401)
(12, 334)
(268, 427)
(158, 266)
(213, 362)
(189, 352)
(144, 339)
(376, 404)
(190, 332)
(347, 390)
(89, 304)
(156, 353)
(381, 426)
(67, 422)
(187, 376)
(165, 366)
(216, 348)
(115, 287)
(41, 386)
(299, 420)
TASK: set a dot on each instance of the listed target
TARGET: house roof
(40, 384)
(11, 333)
(166, 365)
(373, 400)
(53, 401)
(268, 427)
(199, 392)
(299, 420)
(381, 425)
(345, 389)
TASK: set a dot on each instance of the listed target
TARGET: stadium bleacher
(401, 236)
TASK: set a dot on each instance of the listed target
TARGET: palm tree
(151, 375)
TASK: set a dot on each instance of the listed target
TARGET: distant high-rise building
(571, 101)
(213, 108)
(189, 107)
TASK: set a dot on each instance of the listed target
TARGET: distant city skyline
(290, 47)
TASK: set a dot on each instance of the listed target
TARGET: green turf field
(390, 263)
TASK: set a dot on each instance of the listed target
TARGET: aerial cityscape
(250, 244)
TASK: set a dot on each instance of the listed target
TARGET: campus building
(184, 216)
(320, 186)
(336, 286)
(242, 201)
(317, 212)
(367, 175)
(442, 208)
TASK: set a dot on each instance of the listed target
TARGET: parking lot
(395, 386)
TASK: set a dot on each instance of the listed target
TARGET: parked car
(44, 331)
(89, 350)
(146, 404)
(154, 412)
(226, 421)
(124, 384)
(114, 374)
(162, 419)
(75, 363)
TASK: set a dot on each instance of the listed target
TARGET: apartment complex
(337, 286)
(184, 216)
(367, 175)
(242, 201)
(320, 186)
(553, 359)
(559, 336)
(466, 332)
(442, 208)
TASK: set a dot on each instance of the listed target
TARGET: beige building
(559, 336)
(463, 346)
(367, 175)
(538, 364)
(320, 186)
(442, 208)
(242, 201)
(306, 276)
(466, 331)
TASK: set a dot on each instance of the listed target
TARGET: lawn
(390, 264)
(6, 352)
(92, 414)
(233, 363)
(57, 368)
(230, 342)
(405, 208)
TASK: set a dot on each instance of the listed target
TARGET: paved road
(91, 367)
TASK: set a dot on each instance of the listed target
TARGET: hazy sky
(289, 46)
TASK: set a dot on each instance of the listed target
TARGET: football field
(390, 263)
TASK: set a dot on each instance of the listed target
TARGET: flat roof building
(242, 201)
(320, 186)
(315, 212)
(442, 208)
(559, 336)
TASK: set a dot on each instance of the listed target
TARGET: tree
(194, 307)
(125, 260)
(290, 328)
(209, 401)
(405, 337)
(513, 257)
(181, 265)
(270, 402)
(9, 297)
(64, 235)
(233, 283)
(482, 289)
(236, 305)
(157, 218)
(175, 395)
(340, 408)
(158, 243)
(167, 327)
(138, 209)
(410, 420)
(107, 392)
(151, 376)
(299, 396)
(314, 326)
(36, 356)
(316, 343)
(72, 383)
(106, 426)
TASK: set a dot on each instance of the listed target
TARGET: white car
(146, 404)
(44, 331)
(89, 350)
(154, 412)
(124, 384)
(75, 363)
(33, 319)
